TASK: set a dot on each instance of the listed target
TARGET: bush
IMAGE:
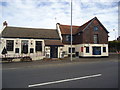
(114, 46)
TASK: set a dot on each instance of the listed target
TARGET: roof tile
(20, 32)
(53, 42)
(66, 29)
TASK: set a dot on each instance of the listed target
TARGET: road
(77, 74)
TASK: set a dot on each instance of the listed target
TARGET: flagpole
(71, 30)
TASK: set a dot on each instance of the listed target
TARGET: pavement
(80, 73)
(18, 64)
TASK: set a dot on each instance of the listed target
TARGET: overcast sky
(46, 13)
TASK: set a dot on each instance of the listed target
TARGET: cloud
(42, 13)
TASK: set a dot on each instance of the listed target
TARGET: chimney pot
(5, 23)
(58, 23)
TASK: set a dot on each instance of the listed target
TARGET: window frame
(10, 45)
(69, 50)
(95, 39)
(38, 47)
(104, 49)
(96, 28)
(17, 50)
(24, 46)
(68, 38)
(31, 50)
(87, 50)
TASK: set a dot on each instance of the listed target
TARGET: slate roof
(20, 32)
(53, 42)
(66, 29)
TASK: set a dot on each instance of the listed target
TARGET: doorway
(53, 51)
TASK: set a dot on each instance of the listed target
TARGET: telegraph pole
(71, 30)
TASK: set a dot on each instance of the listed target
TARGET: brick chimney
(5, 23)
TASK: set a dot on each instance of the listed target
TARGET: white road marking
(66, 80)
(10, 68)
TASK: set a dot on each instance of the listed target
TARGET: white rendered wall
(66, 49)
(90, 54)
(35, 55)
(47, 51)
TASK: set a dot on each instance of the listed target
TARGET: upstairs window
(78, 33)
(95, 28)
(38, 46)
(68, 38)
(95, 38)
(10, 45)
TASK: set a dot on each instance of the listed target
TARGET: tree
(114, 46)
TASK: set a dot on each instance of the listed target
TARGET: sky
(46, 13)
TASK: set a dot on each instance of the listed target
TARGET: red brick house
(89, 39)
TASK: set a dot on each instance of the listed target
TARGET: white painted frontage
(34, 56)
(60, 50)
(47, 51)
(63, 51)
(66, 49)
(90, 54)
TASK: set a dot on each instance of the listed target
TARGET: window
(24, 46)
(68, 38)
(16, 50)
(104, 49)
(95, 28)
(10, 45)
(38, 45)
(95, 37)
(31, 50)
(96, 50)
(78, 33)
(77, 54)
(87, 49)
(73, 50)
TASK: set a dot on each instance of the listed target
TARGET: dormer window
(68, 38)
(95, 28)
(78, 33)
